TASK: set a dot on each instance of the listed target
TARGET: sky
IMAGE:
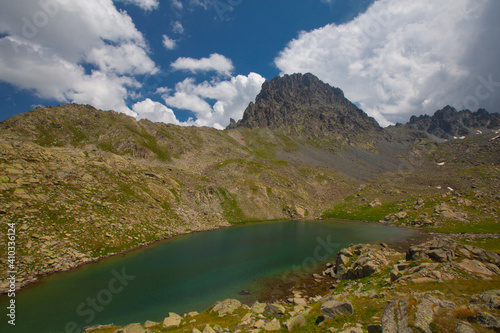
(200, 62)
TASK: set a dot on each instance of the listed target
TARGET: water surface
(185, 273)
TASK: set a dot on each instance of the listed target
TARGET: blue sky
(200, 62)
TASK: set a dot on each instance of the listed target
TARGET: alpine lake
(187, 273)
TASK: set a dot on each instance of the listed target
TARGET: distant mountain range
(448, 123)
(304, 106)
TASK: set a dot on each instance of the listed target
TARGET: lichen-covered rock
(332, 309)
(486, 320)
(395, 317)
(227, 306)
(173, 319)
(273, 325)
(297, 321)
(275, 310)
(368, 261)
(491, 298)
(134, 328)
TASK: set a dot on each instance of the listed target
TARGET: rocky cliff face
(448, 123)
(304, 106)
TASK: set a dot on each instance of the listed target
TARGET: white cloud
(177, 27)
(406, 57)
(144, 4)
(232, 97)
(215, 62)
(50, 42)
(154, 111)
(123, 59)
(169, 43)
(177, 4)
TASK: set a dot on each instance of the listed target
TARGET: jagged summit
(448, 123)
(301, 104)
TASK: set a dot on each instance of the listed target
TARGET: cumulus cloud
(215, 62)
(177, 27)
(144, 4)
(169, 43)
(404, 57)
(47, 46)
(231, 96)
(154, 111)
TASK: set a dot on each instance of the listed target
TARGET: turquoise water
(185, 273)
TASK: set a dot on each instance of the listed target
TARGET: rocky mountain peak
(303, 105)
(448, 122)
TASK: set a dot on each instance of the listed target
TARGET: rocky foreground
(437, 286)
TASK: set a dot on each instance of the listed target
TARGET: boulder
(423, 316)
(274, 310)
(134, 328)
(375, 203)
(475, 266)
(332, 309)
(486, 320)
(491, 298)
(150, 323)
(208, 329)
(227, 306)
(395, 317)
(195, 330)
(173, 319)
(297, 321)
(299, 301)
(463, 327)
(258, 307)
(273, 325)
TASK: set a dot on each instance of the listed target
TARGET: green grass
(490, 244)
(361, 212)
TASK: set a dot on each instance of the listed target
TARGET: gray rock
(463, 327)
(395, 317)
(440, 255)
(134, 328)
(423, 316)
(486, 320)
(173, 319)
(332, 309)
(258, 307)
(491, 298)
(208, 329)
(273, 325)
(274, 310)
(195, 330)
(150, 323)
(297, 321)
(227, 306)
